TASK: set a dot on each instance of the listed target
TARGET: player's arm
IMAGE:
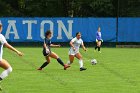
(13, 49)
(53, 45)
(83, 46)
(46, 48)
(71, 44)
(45, 45)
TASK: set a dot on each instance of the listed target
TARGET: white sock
(69, 63)
(81, 63)
(5, 73)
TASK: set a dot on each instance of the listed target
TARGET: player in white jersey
(3, 63)
(75, 44)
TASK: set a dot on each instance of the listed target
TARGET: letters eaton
(11, 28)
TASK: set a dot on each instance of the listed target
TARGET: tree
(69, 8)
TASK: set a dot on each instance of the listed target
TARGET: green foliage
(96, 8)
(69, 8)
(129, 8)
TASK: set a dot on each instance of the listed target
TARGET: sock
(81, 63)
(98, 48)
(60, 61)
(69, 63)
(5, 73)
(44, 65)
(0, 78)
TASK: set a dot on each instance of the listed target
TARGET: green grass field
(117, 71)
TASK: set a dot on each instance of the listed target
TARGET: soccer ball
(93, 61)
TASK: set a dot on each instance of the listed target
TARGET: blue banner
(129, 30)
(64, 29)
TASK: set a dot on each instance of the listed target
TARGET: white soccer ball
(93, 61)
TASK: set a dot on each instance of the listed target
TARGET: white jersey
(76, 42)
(2, 42)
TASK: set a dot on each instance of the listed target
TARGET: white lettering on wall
(29, 22)
(68, 32)
(43, 25)
(11, 25)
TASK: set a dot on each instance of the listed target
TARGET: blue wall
(64, 29)
(129, 30)
(87, 26)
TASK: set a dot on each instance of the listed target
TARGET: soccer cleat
(82, 69)
(66, 66)
(39, 69)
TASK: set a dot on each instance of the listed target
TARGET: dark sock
(0, 79)
(98, 48)
(60, 61)
(44, 65)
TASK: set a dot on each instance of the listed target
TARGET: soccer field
(117, 71)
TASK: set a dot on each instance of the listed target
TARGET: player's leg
(99, 45)
(45, 63)
(71, 59)
(96, 45)
(79, 56)
(71, 56)
(55, 56)
(46, 55)
(7, 69)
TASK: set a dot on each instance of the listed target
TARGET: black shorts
(44, 52)
(99, 40)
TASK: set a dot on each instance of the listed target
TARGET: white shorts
(72, 52)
